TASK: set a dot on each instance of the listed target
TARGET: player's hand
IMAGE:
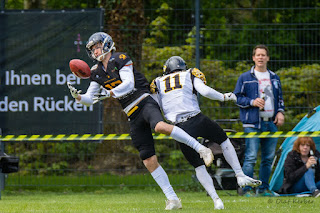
(101, 96)
(74, 92)
(230, 97)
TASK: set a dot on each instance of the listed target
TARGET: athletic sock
(180, 135)
(231, 157)
(206, 181)
(161, 177)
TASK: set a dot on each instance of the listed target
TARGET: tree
(34, 4)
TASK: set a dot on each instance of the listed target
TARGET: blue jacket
(247, 90)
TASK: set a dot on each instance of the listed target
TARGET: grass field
(147, 200)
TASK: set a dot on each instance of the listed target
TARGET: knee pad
(146, 153)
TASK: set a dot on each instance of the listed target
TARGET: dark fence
(225, 38)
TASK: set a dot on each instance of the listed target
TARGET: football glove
(101, 96)
(230, 97)
(74, 92)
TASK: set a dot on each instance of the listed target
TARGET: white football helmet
(105, 40)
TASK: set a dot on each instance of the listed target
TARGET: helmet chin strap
(102, 56)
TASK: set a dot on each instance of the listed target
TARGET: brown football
(80, 68)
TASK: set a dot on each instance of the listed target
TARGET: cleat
(206, 155)
(218, 204)
(244, 180)
(173, 204)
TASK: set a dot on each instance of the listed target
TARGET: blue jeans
(306, 183)
(268, 148)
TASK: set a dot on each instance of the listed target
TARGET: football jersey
(176, 94)
(110, 78)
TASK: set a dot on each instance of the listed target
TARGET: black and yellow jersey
(110, 77)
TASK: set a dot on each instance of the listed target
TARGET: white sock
(206, 181)
(161, 177)
(180, 135)
(231, 157)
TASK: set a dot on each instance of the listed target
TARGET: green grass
(147, 200)
(92, 182)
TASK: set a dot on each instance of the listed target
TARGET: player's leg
(212, 131)
(161, 177)
(203, 126)
(152, 114)
(202, 174)
(231, 157)
(209, 129)
(142, 139)
(180, 135)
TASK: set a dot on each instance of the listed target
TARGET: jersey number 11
(177, 84)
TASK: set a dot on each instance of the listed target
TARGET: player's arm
(199, 83)
(126, 86)
(154, 90)
(207, 91)
(87, 98)
(127, 78)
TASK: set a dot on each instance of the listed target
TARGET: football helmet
(105, 40)
(173, 64)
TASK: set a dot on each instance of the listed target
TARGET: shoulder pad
(197, 73)
(94, 67)
(122, 56)
(153, 87)
(122, 59)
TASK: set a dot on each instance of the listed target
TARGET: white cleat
(173, 204)
(244, 180)
(218, 204)
(206, 155)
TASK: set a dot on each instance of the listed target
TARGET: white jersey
(177, 96)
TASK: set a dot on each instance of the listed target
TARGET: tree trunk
(34, 4)
(120, 15)
(125, 23)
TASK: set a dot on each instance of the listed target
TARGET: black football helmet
(173, 64)
(105, 40)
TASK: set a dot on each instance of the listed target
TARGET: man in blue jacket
(259, 96)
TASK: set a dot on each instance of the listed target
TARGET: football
(80, 68)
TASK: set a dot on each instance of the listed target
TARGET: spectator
(301, 169)
(259, 96)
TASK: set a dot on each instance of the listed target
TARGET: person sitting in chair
(301, 168)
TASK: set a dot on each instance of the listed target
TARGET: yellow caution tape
(99, 137)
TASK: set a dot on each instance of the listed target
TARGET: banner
(35, 50)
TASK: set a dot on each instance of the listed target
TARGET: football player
(119, 79)
(176, 92)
